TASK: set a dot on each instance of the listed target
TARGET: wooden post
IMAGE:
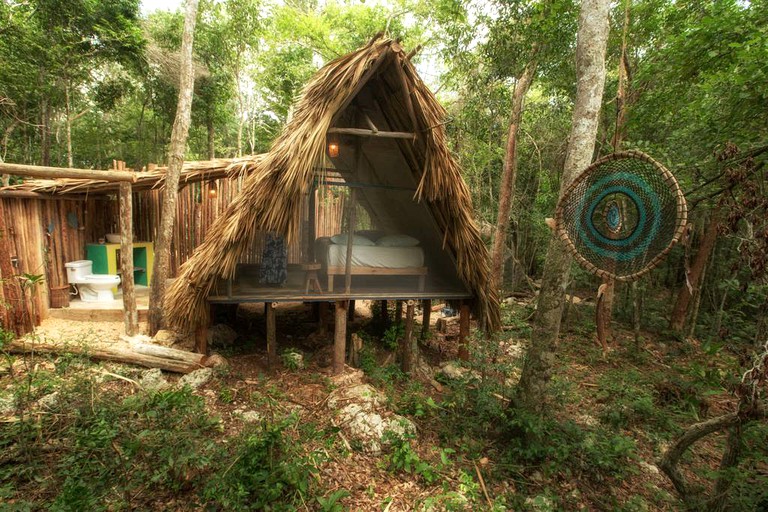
(384, 313)
(322, 311)
(408, 343)
(201, 339)
(271, 334)
(130, 314)
(350, 237)
(464, 332)
(340, 337)
(398, 312)
(351, 311)
(426, 312)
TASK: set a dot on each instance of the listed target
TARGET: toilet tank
(77, 270)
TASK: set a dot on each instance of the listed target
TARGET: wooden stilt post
(340, 336)
(408, 345)
(130, 315)
(351, 311)
(201, 339)
(384, 313)
(271, 334)
(426, 312)
(464, 332)
(398, 312)
(322, 311)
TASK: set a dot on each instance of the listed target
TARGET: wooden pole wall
(130, 314)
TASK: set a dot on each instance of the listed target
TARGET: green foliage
(403, 458)
(565, 446)
(393, 335)
(332, 502)
(263, 471)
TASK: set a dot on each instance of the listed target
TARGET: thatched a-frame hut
(368, 136)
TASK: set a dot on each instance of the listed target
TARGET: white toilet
(92, 287)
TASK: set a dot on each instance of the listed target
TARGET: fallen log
(141, 354)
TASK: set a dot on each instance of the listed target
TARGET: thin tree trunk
(604, 310)
(590, 68)
(694, 275)
(211, 138)
(45, 135)
(509, 175)
(68, 120)
(176, 161)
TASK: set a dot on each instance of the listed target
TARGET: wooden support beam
(408, 345)
(464, 332)
(340, 336)
(351, 311)
(426, 312)
(130, 313)
(322, 312)
(201, 340)
(369, 122)
(362, 132)
(398, 312)
(39, 171)
(271, 334)
(384, 313)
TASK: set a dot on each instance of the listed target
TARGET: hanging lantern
(212, 190)
(333, 147)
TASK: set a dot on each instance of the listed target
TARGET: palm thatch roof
(272, 194)
(192, 171)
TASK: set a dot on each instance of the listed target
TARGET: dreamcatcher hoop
(622, 215)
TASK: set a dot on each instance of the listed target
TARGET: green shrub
(263, 472)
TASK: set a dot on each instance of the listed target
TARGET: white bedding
(375, 256)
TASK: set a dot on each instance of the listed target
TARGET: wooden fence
(38, 235)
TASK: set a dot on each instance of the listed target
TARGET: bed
(372, 260)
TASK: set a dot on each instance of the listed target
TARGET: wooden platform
(106, 311)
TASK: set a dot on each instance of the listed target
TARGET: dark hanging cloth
(274, 260)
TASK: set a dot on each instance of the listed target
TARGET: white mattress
(375, 256)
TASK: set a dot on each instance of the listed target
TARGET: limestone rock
(49, 401)
(153, 380)
(196, 378)
(221, 335)
(7, 405)
(252, 417)
(166, 338)
(365, 395)
(452, 371)
(216, 361)
(649, 468)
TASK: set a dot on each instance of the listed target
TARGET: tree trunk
(590, 68)
(45, 135)
(211, 138)
(509, 174)
(694, 275)
(604, 310)
(176, 161)
(68, 120)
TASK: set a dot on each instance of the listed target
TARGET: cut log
(141, 354)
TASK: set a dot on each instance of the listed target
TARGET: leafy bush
(264, 471)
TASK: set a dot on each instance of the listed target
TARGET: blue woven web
(620, 215)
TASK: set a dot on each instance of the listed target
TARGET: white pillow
(397, 241)
(356, 240)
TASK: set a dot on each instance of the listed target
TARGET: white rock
(196, 378)
(649, 468)
(363, 425)
(165, 337)
(7, 405)
(452, 370)
(153, 380)
(365, 395)
(252, 417)
(49, 401)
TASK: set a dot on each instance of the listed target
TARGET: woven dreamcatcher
(621, 215)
